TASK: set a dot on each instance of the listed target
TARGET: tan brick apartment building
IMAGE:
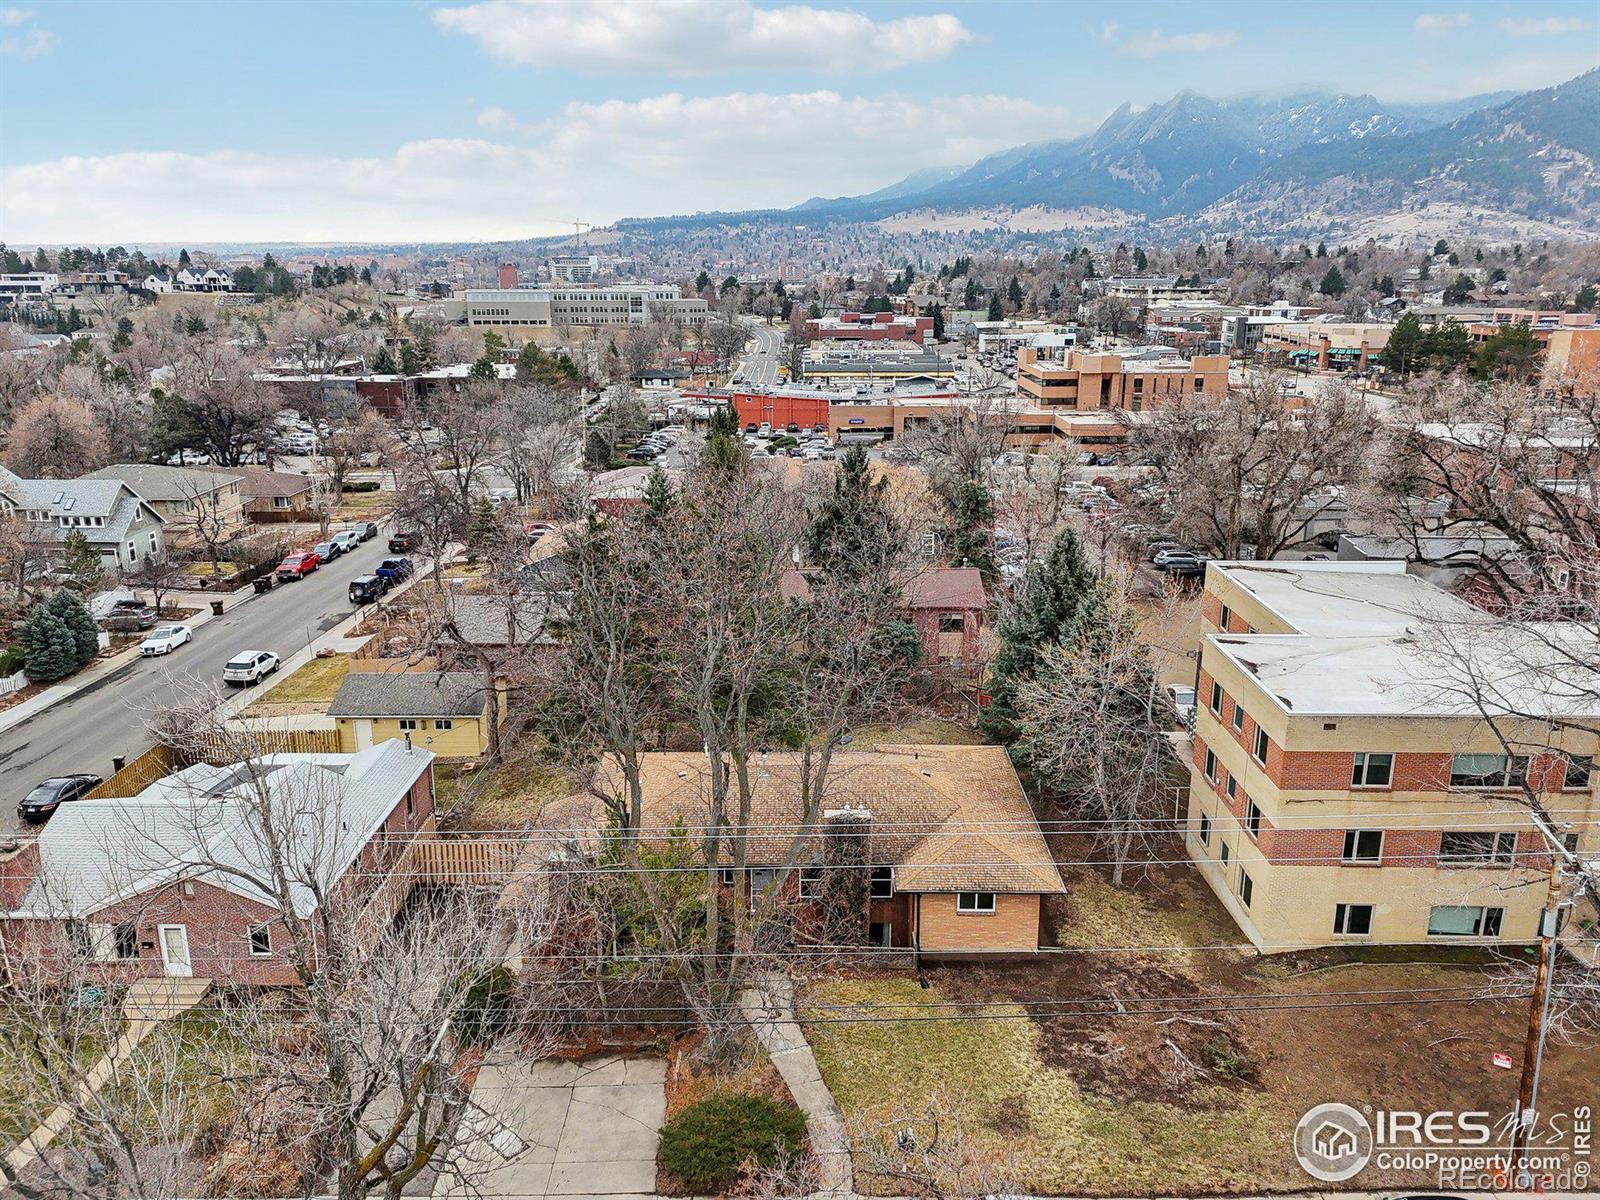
(1088, 382)
(1339, 789)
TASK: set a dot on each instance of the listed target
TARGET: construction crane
(577, 228)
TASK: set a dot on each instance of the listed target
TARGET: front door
(175, 949)
(363, 735)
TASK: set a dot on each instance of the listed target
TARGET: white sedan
(165, 640)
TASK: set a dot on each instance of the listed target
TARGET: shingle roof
(162, 483)
(482, 619)
(948, 818)
(202, 823)
(256, 482)
(410, 694)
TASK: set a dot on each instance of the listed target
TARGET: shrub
(707, 1144)
(51, 649)
(12, 660)
(85, 633)
(485, 1011)
(1227, 1060)
(361, 485)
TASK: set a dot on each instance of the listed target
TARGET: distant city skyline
(498, 119)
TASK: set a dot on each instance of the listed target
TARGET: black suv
(402, 542)
(38, 804)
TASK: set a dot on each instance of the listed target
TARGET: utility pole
(1538, 1012)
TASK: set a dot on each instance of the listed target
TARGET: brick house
(957, 865)
(945, 604)
(1342, 787)
(161, 883)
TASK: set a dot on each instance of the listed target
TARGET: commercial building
(1086, 381)
(573, 268)
(881, 360)
(1572, 356)
(546, 308)
(1343, 345)
(1146, 289)
(872, 327)
(1344, 789)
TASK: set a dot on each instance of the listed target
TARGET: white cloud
(1109, 31)
(1155, 42)
(694, 37)
(29, 41)
(1541, 26)
(665, 154)
(1435, 23)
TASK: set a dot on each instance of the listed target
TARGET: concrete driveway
(569, 1129)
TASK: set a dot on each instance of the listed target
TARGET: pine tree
(1447, 346)
(854, 531)
(1403, 350)
(1584, 301)
(80, 561)
(410, 364)
(49, 647)
(996, 313)
(481, 533)
(1140, 262)
(1051, 606)
(1014, 293)
(658, 497)
(383, 362)
(482, 369)
(937, 313)
(1511, 352)
(973, 529)
(69, 610)
(1332, 283)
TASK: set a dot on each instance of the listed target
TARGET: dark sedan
(38, 804)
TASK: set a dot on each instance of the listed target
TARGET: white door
(175, 949)
(363, 735)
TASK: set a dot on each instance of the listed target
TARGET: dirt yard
(1174, 1062)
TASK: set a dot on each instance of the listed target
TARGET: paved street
(760, 365)
(82, 733)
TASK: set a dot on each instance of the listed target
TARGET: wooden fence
(480, 861)
(159, 761)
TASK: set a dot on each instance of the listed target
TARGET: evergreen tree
(366, 276)
(853, 530)
(69, 610)
(701, 282)
(724, 453)
(81, 561)
(973, 529)
(1140, 262)
(1322, 249)
(658, 497)
(1584, 301)
(184, 260)
(1458, 289)
(1051, 605)
(50, 651)
(1014, 293)
(410, 364)
(937, 313)
(1386, 286)
(1332, 283)
(1511, 352)
(969, 297)
(996, 313)
(1441, 247)
(481, 533)
(1447, 346)
(383, 362)
(1402, 351)
(482, 369)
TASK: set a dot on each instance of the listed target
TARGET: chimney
(508, 275)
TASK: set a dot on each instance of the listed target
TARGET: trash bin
(216, 608)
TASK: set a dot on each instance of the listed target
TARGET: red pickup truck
(298, 566)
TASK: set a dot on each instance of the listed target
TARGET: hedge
(707, 1144)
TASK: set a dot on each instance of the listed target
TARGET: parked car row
(303, 562)
(653, 445)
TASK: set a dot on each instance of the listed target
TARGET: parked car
(298, 566)
(346, 540)
(129, 616)
(402, 541)
(44, 799)
(366, 530)
(536, 529)
(1163, 554)
(249, 666)
(395, 570)
(165, 640)
(364, 589)
(1185, 565)
(327, 551)
(1181, 697)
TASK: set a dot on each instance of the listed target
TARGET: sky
(138, 122)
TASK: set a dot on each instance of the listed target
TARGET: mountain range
(1290, 164)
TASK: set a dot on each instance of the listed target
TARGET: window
(1252, 818)
(78, 935)
(1233, 788)
(125, 940)
(280, 502)
(1580, 769)
(880, 933)
(1372, 770)
(442, 724)
(1205, 830)
(1464, 920)
(1462, 848)
(810, 883)
(1211, 764)
(1246, 889)
(409, 724)
(1352, 920)
(1488, 770)
(261, 941)
(1225, 853)
(952, 622)
(725, 876)
(882, 885)
(1238, 717)
(1363, 845)
(974, 902)
(1262, 742)
(1216, 698)
(1225, 618)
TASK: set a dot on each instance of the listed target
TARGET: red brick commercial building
(872, 327)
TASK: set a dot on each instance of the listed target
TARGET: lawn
(1190, 1098)
(21, 1089)
(363, 506)
(316, 681)
(508, 796)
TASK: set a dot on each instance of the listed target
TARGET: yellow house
(1343, 787)
(442, 711)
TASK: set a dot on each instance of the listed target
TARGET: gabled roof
(202, 823)
(256, 483)
(947, 818)
(162, 484)
(410, 694)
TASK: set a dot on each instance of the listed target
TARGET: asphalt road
(83, 732)
(760, 365)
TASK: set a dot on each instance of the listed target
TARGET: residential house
(158, 284)
(1345, 788)
(956, 861)
(273, 495)
(116, 522)
(945, 604)
(204, 279)
(164, 882)
(447, 712)
(189, 499)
